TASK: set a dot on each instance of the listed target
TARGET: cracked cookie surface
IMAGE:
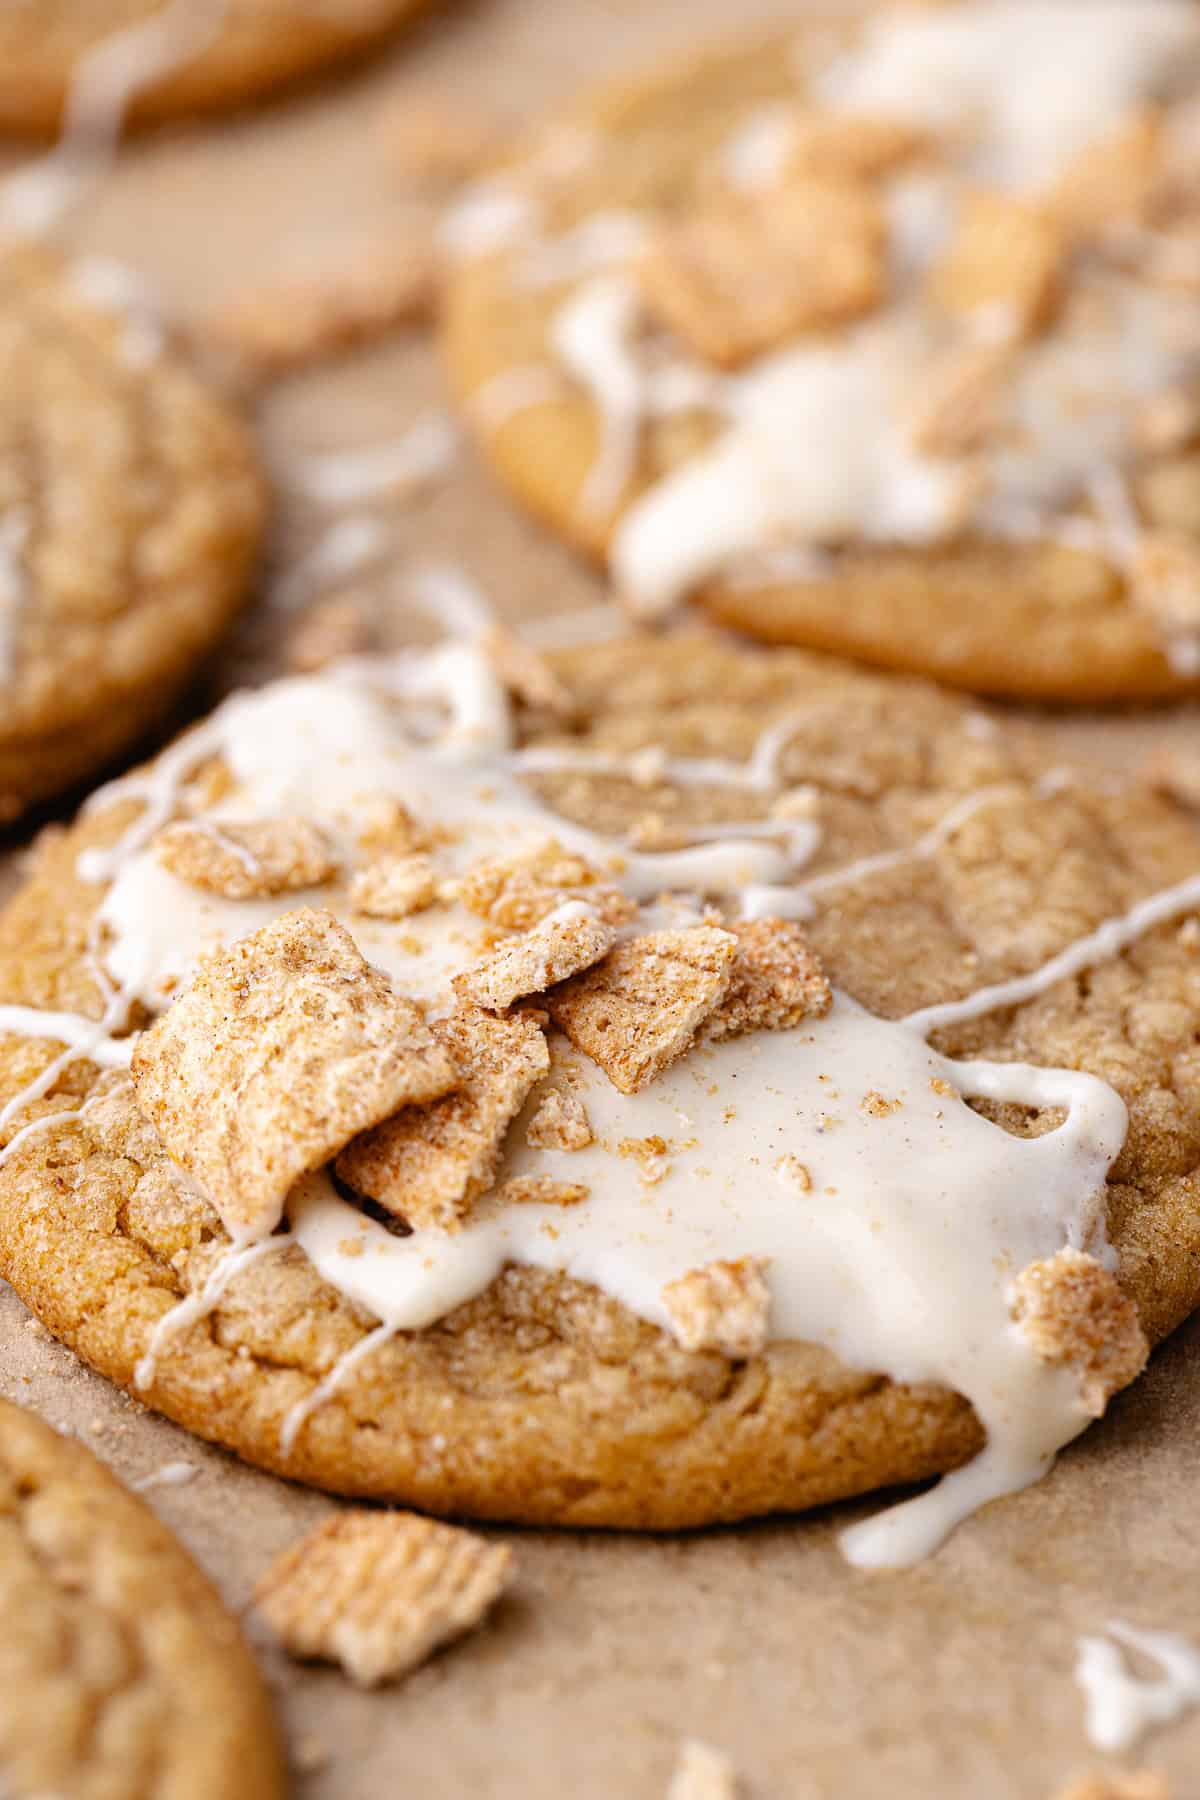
(543, 1399)
(131, 510)
(123, 1676)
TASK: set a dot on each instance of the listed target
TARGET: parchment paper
(822, 1683)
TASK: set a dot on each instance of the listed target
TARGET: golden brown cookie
(832, 336)
(131, 511)
(123, 1674)
(227, 54)
(541, 1396)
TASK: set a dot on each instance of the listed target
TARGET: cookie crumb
(560, 1123)
(564, 943)
(429, 1164)
(284, 1047)
(378, 1592)
(641, 1007)
(519, 891)
(541, 1190)
(702, 1773)
(877, 1106)
(388, 828)
(723, 1306)
(246, 860)
(1069, 1309)
(776, 982)
(393, 887)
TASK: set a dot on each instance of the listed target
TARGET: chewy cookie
(880, 340)
(131, 510)
(123, 1674)
(543, 1117)
(226, 52)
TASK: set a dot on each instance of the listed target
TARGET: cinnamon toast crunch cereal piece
(519, 891)
(379, 1592)
(427, 1165)
(564, 943)
(1007, 254)
(283, 1048)
(393, 887)
(817, 250)
(724, 1306)
(776, 981)
(702, 1773)
(641, 1008)
(1069, 1309)
(247, 860)
(560, 1123)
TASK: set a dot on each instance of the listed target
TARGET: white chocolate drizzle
(1121, 1706)
(201, 1303)
(351, 477)
(325, 1389)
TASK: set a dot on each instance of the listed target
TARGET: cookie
(211, 57)
(123, 1672)
(693, 1225)
(837, 337)
(131, 511)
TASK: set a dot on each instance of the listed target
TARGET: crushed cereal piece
(1008, 255)
(1112, 181)
(428, 1165)
(640, 1009)
(702, 1773)
(1069, 1309)
(519, 891)
(565, 942)
(388, 828)
(282, 1049)
(378, 1592)
(560, 1123)
(290, 325)
(1115, 1784)
(435, 142)
(792, 1171)
(1164, 580)
(819, 255)
(776, 982)
(393, 887)
(541, 1190)
(246, 860)
(723, 1306)
(876, 1105)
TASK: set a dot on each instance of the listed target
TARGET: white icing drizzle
(349, 477)
(899, 1253)
(169, 1475)
(14, 531)
(198, 1305)
(591, 336)
(106, 81)
(344, 549)
(337, 1377)
(1120, 1706)
(48, 1121)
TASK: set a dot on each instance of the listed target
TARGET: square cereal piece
(724, 1306)
(702, 1773)
(1164, 581)
(560, 1123)
(746, 274)
(282, 1049)
(642, 1007)
(378, 1592)
(1007, 255)
(246, 859)
(566, 941)
(1070, 1310)
(776, 982)
(1112, 181)
(393, 887)
(519, 891)
(428, 1165)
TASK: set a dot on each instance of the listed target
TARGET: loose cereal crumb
(428, 1165)
(1008, 254)
(876, 1106)
(541, 1190)
(564, 943)
(519, 891)
(378, 1592)
(246, 860)
(282, 1049)
(1069, 1309)
(560, 1123)
(640, 1009)
(702, 1773)
(723, 1306)
(817, 249)
(943, 1087)
(393, 887)
(388, 828)
(793, 1173)
(776, 982)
